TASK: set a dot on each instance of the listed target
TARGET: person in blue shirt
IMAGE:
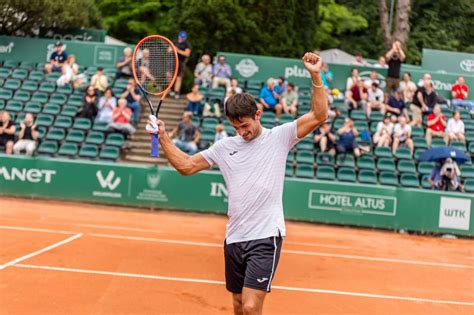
(56, 60)
(347, 138)
(326, 75)
(269, 98)
(396, 105)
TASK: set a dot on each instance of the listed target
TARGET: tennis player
(253, 165)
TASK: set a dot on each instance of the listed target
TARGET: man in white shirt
(402, 135)
(375, 99)
(253, 165)
(455, 128)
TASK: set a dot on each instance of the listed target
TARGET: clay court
(72, 258)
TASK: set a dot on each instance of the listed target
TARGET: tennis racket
(154, 67)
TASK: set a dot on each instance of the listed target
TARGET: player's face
(248, 128)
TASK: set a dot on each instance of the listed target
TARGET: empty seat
(70, 111)
(425, 168)
(109, 153)
(346, 174)
(345, 160)
(6, 94)
(20, 74)
(409, 180)
(383, 152)
(306, 157)
(458, 145)
(75, 100)
(358, 114)
(88, 151)
(289, 169)
(41, 97)
(403, 153)
(367, 176)
(425, 183)
(437, 142)
(29, 85)
(44, 120)
(57, 98)
(305, 144)
(100, 126)
(388, 178)
(23, 96)
(52, 109)
(48, 148)
(284, 118)
(469, 186)
(325, 172)
(210, 123)
(420, 143)
(68, 149)
(77, 136)
(115, 139)
(467, 171)
(406, 166)
(386, 164)
(82, 123)
(304, 171)
(95, 137)
(63, 122)
(36, 75)
(366, 162)
(325, 158)
(47, 87)
(14, 106)
(12, 84)
(55, 134)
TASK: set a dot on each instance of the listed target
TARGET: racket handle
(154, 146)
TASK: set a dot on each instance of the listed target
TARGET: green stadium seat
(70, 111)
(29, 85)
(409, 180)
(425, 168)
(376, 116)
(304, 171)
(63, 122)
(418, 153)
(117, 91)
(346, 174)
(121, 83)
(467, 171)
(305, 144)
(438, 142)
(458, 145)
(22, 96)
(12, 84)
(12, 116)
(40, 66)
(65, 89)
(14, 106)
(47, 87)
(68, 149)
(4, 73)
(381, 152)
(325, 172)
(110, 72)
(470, 136)
(325, 158)
(345, 160)
(268, 125)
(82, 123)
(48, 148)
(20, 118)
(358, 114)
(425, 183)
(10, 64)
(469, 186)
(41, 97)
(388, 178)
(55, 134)
(373, 127)
(57, 98)
(115, 139)
(53, 77)
(403, 153)
(284, 118)
(89, 151)
(36, 75)
(406, 166)
(255, 84)
(2, 104)
(28, 65)
(289, 169)
(109, 153)
(366, 162)
(77, 136)
(417, 132)
(469, 125)
(196, 121)
(268, 117)
(420, 143)
(41, 132)
(386, 164)
(361, 125)
(20, 74)
(306, 157)
(471, 148)
(338, 123)
(44, 120)
(6, 94)
(367, 176)
(95, 137)
(75, 100)
(207, 137)
(210, 123)
(100, 126)
(52, 109)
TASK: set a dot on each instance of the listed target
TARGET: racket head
(155, 65)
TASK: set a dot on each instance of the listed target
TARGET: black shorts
(251, 264)
(181, 66)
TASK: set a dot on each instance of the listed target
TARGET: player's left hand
(312, 62)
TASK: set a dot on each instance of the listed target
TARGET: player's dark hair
(239, 106)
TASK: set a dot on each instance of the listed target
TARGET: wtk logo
(109, 181)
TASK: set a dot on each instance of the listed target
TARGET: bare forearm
(177, 158)
(319, 103)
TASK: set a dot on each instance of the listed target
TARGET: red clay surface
(112, 260)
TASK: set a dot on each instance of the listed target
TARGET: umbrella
(438, 153)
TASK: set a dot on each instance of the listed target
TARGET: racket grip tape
(155, 146)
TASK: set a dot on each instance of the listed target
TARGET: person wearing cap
(375, 99)
(99, 80)
(56, 60)
(396, 105)
(184, 51)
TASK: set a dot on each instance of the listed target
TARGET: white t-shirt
(381, 126)
(455, 126)
(402, 132)
(368, 83)
(375, 96)
(254, 173)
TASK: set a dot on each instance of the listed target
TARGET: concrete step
(139, 159)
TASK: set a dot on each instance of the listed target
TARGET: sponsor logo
(454, 213)
(296, 72)
(31, 175)
(232, 153)
(110, 183)
(7, 49)
(467, 65)
(262, 280)
(153, 180)
(219, 190)
(246, 67)
(83, 37)
(150, 193)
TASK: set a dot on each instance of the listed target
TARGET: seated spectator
(220, 133)
(270, 98)
(372, 78)
(421, 99)
(99, 80)
(7, 132)
(89, 104)
(203, 72)
(194, 100)
(375, 99)
(402, 135)
(425, 78)
(359, 60)
(187, 134)
(383, 135)
(121, 119)
(326, 76)
(325, 138)
(435, 177)
(455, 128)
(107, 104)
(357, 96)
(347, 138)
(396, 105)
(289, 100)
(143, 64)
(124, 64)
(353, 79)
(281, 83)
(56, 60)
(221, 73)
(460, 95)
(408, 88)
(382, 63)
(234, 86)
(132, 95)
(27, 136)
(70, 73)
(212, 109)
(436, 126)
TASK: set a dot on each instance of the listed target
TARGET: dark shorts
(4, 140)
(57, 69)
(251, 264)
(181, 66)
(347, 147)
(391, 84)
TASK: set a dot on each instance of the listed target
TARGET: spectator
(203, 72)
(408, 88)
(396, 105)
(435, 177)
(326, 75)
(107, 104)
(372, 78)
(89, 104)
(270, 98)
(220, 133)
(234, 86)
(436, 126)
(121, 119)
(132, 95)
(187, 134)
(426, 77)
(456, 128)
(70, 73)
(353, 79)
(423, 100)
(357, 97)
(27, 136)
(211, 110)
(375, 99)
(184, 51)
(221, 73)
(124, 64)
(347, 138)
(460, 95)
(359, 60)
(281, 83)
(194, 100)
(382, 63)
(450, 175)
(143, 64)
(325, 138)
(99, 80)
(395, 57)
(56, 60)
(402, 135)
(289, 100)
(7, 132)
(383, 135)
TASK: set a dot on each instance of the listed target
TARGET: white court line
(308, 290)
(17, 260)
(156, 240)
(318, 245)
(114, 227)
(21, 228)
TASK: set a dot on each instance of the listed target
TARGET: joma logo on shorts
(32, 175)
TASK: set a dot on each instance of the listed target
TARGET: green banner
(306, 200)
(39, 50)
(78, 34)
(448, 61)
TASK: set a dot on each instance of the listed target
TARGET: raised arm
(319, 105)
